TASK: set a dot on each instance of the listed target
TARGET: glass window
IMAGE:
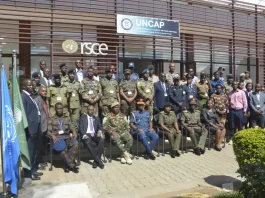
(9, 37)
(35, 63)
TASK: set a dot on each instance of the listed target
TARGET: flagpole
(14, 68)
(4, 194)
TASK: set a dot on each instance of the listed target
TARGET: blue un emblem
(126, 24)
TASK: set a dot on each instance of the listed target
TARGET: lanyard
(60, 122)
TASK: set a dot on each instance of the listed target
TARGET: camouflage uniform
(74, 100)
(221, 105)
(128, 87)
(119, 124)
(227, 87)
(145, 89)
(169, 119)
(110, 92)
(90, 89)
(153, 79)
(192, 120)
(58, 94)
(203, 90)
(170, 77)
(64, 79)
(56, 124)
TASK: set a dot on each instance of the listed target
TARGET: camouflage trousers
(127, 108)
(125, 139)
(74, 115)
(70, 153)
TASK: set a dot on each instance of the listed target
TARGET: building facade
(224, 33)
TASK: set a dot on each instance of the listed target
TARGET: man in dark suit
(161, 94)
(80, 74)
(46, 80)
(257, 107)
(91, 131)
(33, 131)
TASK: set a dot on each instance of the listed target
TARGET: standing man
(33, 131)
(247, 77)
(145, 90)
(215, 82)
(128, 93)
(203, 87)
(152, 77)
(134, 76)
(257, 107)
(194, 78)
(79, 73)
(95, 73)
(171, 74)
(228, 85)
(221, 72)
(237, 108)
(117, 126)
(191, 120)
(183, 78)
(110, 92)
(36, 79)
(63, 75)
(161, 94)
(142, 126)
(45, 80)
(190, 89)
(242, 80)
(43, 65)
(74, 99)
(113, 72)
(59, 130)
(58, 93)
(90, 92)
(91, 131)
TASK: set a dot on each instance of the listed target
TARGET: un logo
(70, 46)
(126, 24)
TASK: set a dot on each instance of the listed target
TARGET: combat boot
(127, 158)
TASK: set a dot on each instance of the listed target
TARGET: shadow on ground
(219, 180)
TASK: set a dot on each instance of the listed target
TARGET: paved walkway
(142, 179)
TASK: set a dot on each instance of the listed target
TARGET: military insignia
(70, 46)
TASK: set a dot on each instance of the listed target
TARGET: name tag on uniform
(73, 94)
(165, 94)
(184, 93)
(61, 132)
(206, 94)
(129, 93)
(191, 96)
(147, 91)
(90, 92)
(59, 98)
(111, 91)
(258, 106)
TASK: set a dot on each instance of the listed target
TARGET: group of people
(77, 102)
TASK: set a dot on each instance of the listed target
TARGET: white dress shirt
(89, 121)
(79, 74)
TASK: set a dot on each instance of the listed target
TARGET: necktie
(91, 127)
(45, 109)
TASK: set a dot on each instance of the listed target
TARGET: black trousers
(97, 151)
(258, 120)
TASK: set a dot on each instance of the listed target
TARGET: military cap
(189, 76)
(32, 79)
(127, 71)
(150, 67)
(167, 104)
(247, 72)
(242, 75)
(131, 65)
(221, 68)
(59, 145)
(176, 77)
(71, 71)
(230, 76)
(193, 101)
(61, 65)
(145, 71)
(56, 76)
(114, 104)
(107, 70)
(216, 73)
(203, 75)
(140, 101)
(35, 74)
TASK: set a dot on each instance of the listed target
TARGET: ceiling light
(1, 38)
(3, 43)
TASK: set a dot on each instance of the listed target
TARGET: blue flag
(10, 141)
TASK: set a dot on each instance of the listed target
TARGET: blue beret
(230, 76)
(145, 71)
(189, 76)
(35, 74)
(60, 145)
(71, 71)
(131, 65)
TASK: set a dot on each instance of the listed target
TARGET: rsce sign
(71, 46)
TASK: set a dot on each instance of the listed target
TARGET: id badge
(90, 92)
(206, 94)
(111, 91)
(191, 96)
(73, 94)
(61, 132)
(59, 98)
(258, 106)
(147, 91)
(184, 93)
(129, 93)
(165, 94)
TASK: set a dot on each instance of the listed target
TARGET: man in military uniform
(203, 87)
(152, 77)
(171, 74)
(177, 97)
(142, 126)
(168, 122)
(190, 119)
(145, 90)
(64, 76)
(73, 101)
(90, 91)
(215, 82)
(190, 89)
(128, 93)
(134, 76)
(59, 128)
(228, 85)
(117, 126)
(58, 93)
(247, 77)
(110, 92)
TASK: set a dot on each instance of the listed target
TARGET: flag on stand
(21, 123)
(10, 146)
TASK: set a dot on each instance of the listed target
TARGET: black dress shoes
(94, 165)
(34, 177)
(202, 151)
(74, 169)
(37, 174)
(146, 155)
(197, 151)
(77, 164)
(217, 148)
(100, 164)
(177, 153)
(173, 155)
(151, 156)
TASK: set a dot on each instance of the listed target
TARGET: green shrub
(249, 148)
(232, 194)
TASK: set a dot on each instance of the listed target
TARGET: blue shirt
(141, 120)
(214, 83)
(134, 77)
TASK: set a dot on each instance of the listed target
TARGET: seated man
(90, 130)
(190, 119)
(141, 123)
(117, 126)
(168, 122)
(59, 127)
